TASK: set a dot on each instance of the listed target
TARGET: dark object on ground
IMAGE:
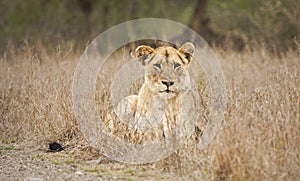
(55, 147)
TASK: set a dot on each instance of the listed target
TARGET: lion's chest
(158, 111)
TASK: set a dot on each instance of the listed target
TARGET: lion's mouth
(167, 91)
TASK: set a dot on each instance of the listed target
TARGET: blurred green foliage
(274, 22)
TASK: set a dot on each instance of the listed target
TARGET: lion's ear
(142, 53)
(187, 50)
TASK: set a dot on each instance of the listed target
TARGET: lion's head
(165, 68)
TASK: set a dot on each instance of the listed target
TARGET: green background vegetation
(272, 22)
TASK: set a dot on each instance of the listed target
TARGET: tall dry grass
(36, 100)
(259, 138)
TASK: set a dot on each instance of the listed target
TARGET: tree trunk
(86, 7)
(198, 16)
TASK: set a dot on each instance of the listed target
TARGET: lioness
(165, 98)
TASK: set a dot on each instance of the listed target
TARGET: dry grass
(259, 139)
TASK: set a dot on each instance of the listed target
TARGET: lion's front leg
(150, 114)
(188, 114)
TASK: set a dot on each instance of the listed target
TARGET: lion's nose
(167, 83)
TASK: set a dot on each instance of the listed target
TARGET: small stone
(78, 172)
(34, 179)
(93, 161)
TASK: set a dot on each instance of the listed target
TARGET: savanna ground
(259, 138)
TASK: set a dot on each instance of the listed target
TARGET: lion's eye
(176, 66)
(157, 66)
